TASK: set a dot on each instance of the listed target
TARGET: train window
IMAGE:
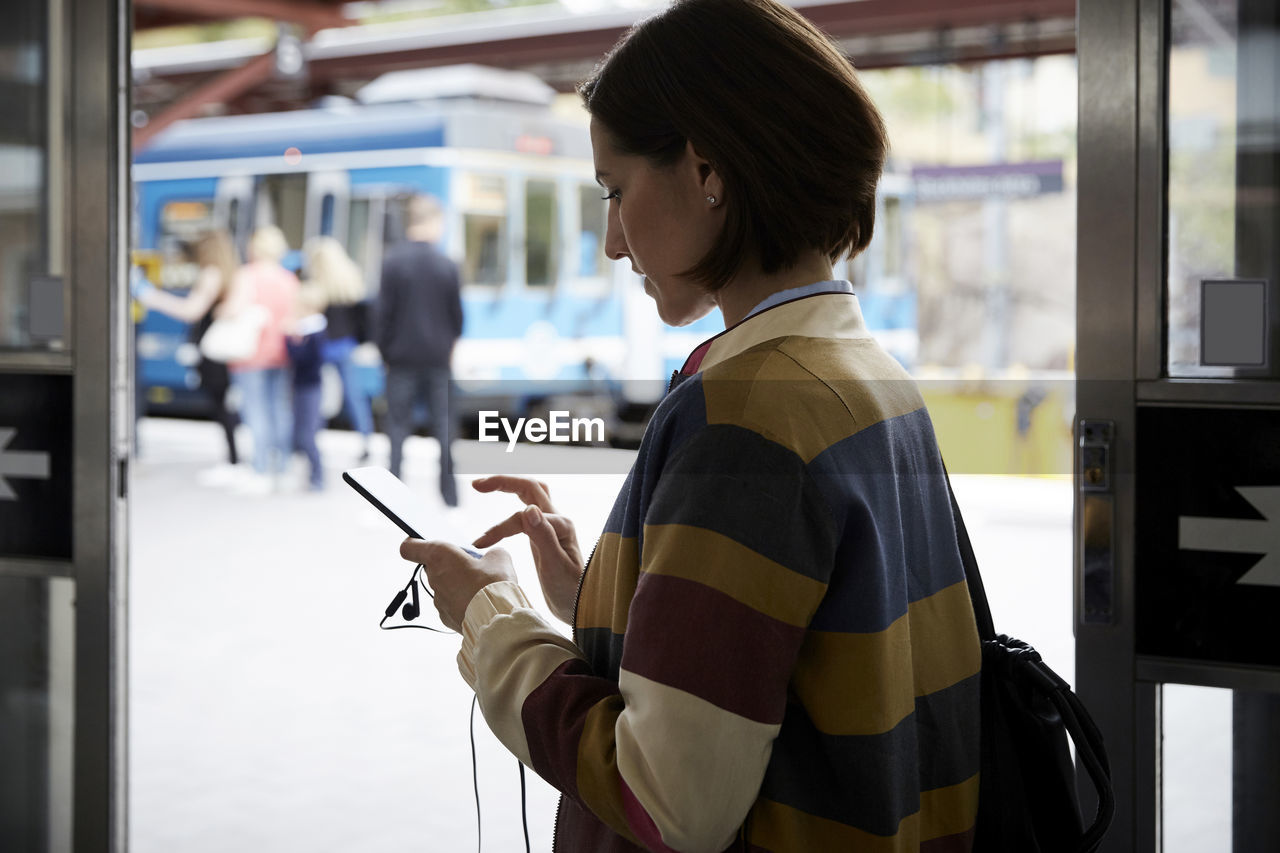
(358, 232)
(282, 201)
(326, 215)
(483, 200)
(181, 225)
(592, 217)
(542, 243)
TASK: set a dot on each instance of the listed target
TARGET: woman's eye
(612, 195)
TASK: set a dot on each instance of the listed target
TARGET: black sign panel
(35, 465)
(1207, 549)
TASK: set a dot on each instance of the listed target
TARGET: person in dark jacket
(305, 344)
(418, 321)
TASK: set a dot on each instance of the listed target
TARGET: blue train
(545, 311)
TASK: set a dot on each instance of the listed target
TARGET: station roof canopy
(322, 49)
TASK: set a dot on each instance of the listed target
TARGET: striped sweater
(774, 643)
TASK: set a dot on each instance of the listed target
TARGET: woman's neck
(749, 288)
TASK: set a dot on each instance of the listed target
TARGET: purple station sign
(993, 180)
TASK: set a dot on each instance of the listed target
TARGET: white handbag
(235, 338)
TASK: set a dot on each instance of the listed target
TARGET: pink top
(275, 288)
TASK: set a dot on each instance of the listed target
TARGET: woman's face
(660, 221)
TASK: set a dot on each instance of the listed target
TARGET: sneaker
(220, 475)
(254, 483)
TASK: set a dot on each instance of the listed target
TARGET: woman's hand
(455, 576)
(551, 539)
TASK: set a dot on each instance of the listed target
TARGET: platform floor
(268, 712)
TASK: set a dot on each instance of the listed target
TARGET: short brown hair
(775, 107)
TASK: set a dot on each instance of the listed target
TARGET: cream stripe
(722, 563)
(508, 650)
(824, 316)
(695, 768)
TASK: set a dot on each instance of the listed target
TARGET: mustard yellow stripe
(945, 637)
(719, 562)
(606, 595)
(950, 810)
(867, 683)
(598, 779)
(774, 826)
(773, 390)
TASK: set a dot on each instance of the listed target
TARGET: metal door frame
(1120, 254)
(98, 199)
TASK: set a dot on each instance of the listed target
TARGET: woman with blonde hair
(340, 283)
(215, 254)
(263, 378)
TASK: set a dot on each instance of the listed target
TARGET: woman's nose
(615, 243)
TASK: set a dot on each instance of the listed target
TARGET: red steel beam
(224, 88)
(844, 19)
(313, 15)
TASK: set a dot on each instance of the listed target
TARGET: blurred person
(418, 321)
(306, 344)
(215, 254)
(263, 378)
(340, 282)
(773, 643)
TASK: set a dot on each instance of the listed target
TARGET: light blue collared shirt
(833, 286)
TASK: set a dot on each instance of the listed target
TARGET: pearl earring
(711, 199)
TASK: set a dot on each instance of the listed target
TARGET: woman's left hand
(455, 576)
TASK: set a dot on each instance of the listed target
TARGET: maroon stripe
(697, 639)
(960, 842)
(553, 716)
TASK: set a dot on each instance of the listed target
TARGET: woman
(215, 254)
(263, 378)
(338, 280)
(774, 647)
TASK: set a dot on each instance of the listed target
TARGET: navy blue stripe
(873, 781)
(735, 482)
(678, 417)
(603, 651)
(897, 535)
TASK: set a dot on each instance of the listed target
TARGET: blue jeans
(407, 386)
(265, 409)
(306, 423)
(355, 403)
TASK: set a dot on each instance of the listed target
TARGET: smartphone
(393, 499)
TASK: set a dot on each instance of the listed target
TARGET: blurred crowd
(267, 332)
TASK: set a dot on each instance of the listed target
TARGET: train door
(64, 425)
(1178, 431)
(327, 205)
(233, 207)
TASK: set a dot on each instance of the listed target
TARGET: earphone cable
(475, 776)
(524, 811)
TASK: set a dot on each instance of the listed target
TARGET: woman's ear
(709, 183)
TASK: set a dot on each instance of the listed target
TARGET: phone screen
(392, 497)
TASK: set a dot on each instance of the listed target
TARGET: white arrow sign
(1241, 535)
(19, 463)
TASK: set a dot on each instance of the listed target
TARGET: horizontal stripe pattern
(719, 768)
(754, 491)
(711, 558)
(775, 622)
(873, 781)
(669, 643)
(866, 683)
